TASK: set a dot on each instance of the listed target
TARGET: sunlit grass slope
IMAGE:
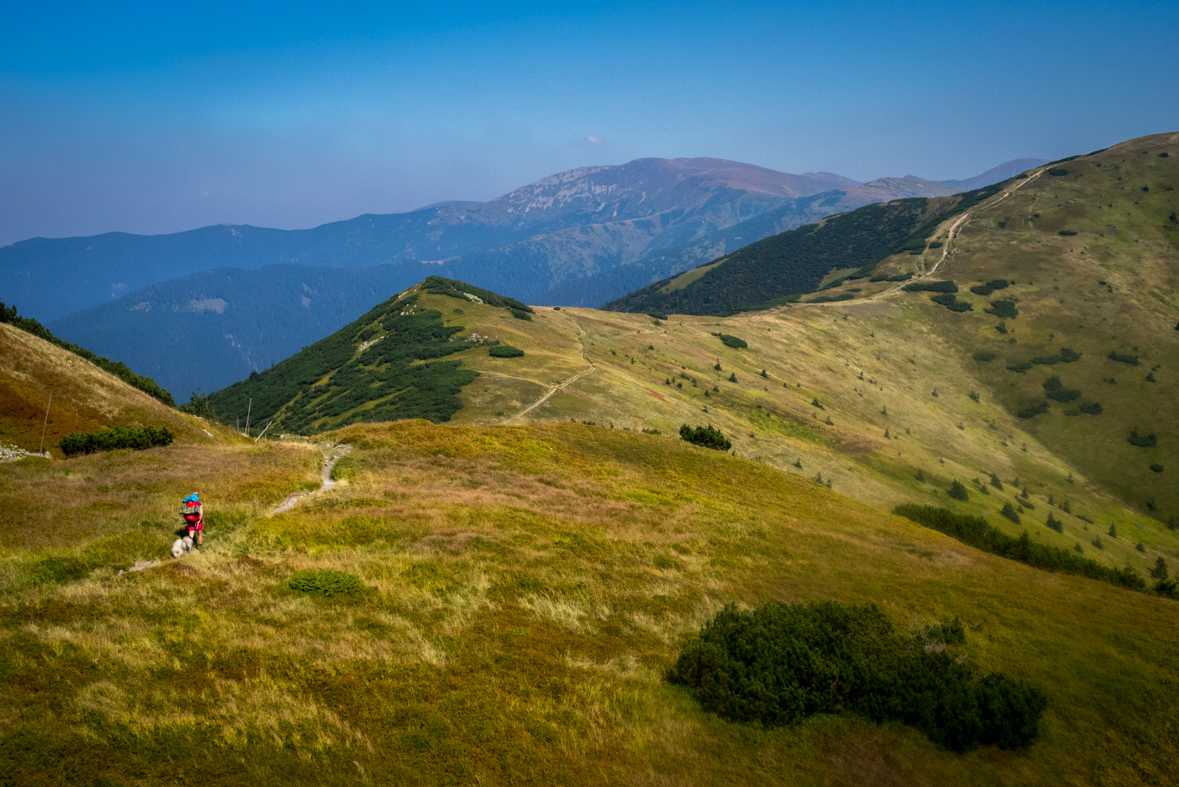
(85, 398)
(526, 589)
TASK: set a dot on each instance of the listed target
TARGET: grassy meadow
(525, 590)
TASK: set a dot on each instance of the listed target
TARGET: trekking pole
(44, 426)
(259, 437)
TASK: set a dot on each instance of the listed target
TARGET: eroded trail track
(331, 455)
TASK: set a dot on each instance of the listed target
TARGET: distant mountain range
(581, 237)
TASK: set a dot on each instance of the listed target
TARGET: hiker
(194, 516)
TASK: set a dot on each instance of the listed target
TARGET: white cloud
(593, 139)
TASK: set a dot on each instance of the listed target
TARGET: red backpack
(191, 511)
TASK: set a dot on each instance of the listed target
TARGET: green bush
(731, 341)
(1067, 233)
(1009, 512)
(657, 315)
(951, 302)
(505, 351)
(1003, 309)
(1068, 355)
(1022, 368)
(115, 438)
(706, 436)
(1057, 171)
(985, 357)
(931, 286)
(325, 582)
(520, 314)
(1157, 468)
(1150, 441)
(1055, 390)
(843, 296)
(785, 662)
(1054, 524)
(1033, 411)
(1120, 358)
(958, 491)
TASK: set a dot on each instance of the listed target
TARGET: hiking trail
(331, 455)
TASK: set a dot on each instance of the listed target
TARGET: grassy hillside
(383, 367)
(525, 590)
(85, 397)
(800, 260)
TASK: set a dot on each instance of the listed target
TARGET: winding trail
(562, 385)
(331, 455)
(953, 232)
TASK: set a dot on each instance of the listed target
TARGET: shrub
(325, 582)
(931, 286)
(958, 491)
(1054, 524)
(731, 341)
(1057, 172)
(952, 303)
(706, 436)
(115, 438)
(1033, 411)
(1003, 309)
(1160, 569)
(1150, 441)
(1097, 542)
(1022, 368)
(1091, 408)
(733, 377)
(505, 351)
(1056, 390)
(1113, 531)
(1120, 358)
(996, 482)
(1157, 468)
(1009, 512)
(657, 315)
(1068, 355)
(985, 357)
(520, 314)
(1067, 233)
(784, 662)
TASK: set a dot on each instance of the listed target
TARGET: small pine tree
(1054, 524)
(921, 476)
(995, 482)
(1160, 569)
(733, 377)
(1077, 547)
(1066, 507)
(958, 491)
(1141, 547)
(1009, 512)
(886, 435)
(718, 366)
(815, 403)
(1097, 542)
(818, 478)
(798, 463)
(1025, 493)
(884, 410)
(1113, 531)
(763, 374)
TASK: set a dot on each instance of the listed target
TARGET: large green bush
(114, 438)
(505, 351)
(707, 436)
(785, 662)
(931, 286)
(731, 341)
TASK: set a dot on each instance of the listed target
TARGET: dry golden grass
(526, 589)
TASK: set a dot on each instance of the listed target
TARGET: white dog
(182, 546)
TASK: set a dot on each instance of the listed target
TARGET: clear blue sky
(156, 118)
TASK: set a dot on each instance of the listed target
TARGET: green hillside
(769, 271)
(383, 367)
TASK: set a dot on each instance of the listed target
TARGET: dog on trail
(182, 546)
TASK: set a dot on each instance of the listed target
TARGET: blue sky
(159, 118)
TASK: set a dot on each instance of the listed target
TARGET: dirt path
(955, 229)
(562, 385)
(331, 455)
